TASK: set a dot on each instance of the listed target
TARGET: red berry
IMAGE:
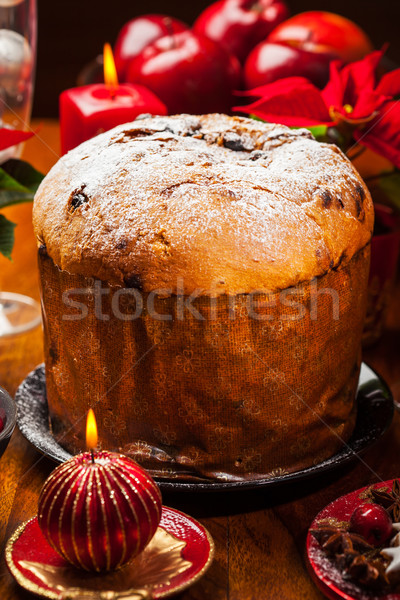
(1, 424)
(372, 522)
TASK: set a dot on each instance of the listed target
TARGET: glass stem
(5, 325)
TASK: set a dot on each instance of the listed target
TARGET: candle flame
(91, 430)
(110, 72)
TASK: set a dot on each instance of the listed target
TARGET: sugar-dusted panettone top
(223, 204)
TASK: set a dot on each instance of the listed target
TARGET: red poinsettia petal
(283, 119)
(361, 76)
(389, 85)
(383, 134)
(293, 101)
(11, 137)
(333, 92)
(346, 84)
(368, 102)
(276, 87)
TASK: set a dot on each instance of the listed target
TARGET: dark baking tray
(375, 413)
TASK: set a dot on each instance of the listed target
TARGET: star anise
(368, 572)
(389, 499)
(353, 555)
(341, 544)
(324, 532)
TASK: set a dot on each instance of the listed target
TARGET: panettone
(204, 288)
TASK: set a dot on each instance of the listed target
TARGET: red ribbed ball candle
(99, 510)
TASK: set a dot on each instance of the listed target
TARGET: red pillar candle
(91, 109)
(99, 509)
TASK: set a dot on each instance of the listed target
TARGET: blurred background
(72, 32)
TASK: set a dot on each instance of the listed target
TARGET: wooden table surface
(259, 536)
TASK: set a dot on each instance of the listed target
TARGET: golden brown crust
(213, 203)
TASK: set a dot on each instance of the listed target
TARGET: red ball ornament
(99, 514)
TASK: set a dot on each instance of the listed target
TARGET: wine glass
(20, 338)
(18, 30)
(8, 416)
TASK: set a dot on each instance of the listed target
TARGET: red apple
(138, 33)
(269, 62)
(188, 72)
(372, 522)
(239, 25)
(321, 31)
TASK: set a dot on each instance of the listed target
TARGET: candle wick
(92, 454)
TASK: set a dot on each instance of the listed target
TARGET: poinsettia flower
(353, 101)
(351, 93)
(293, 101)
(12, 137)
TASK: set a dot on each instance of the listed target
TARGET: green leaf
(6, 236)
(23, 173)
(18, 182)
(256, 118)
(319, 131)
(9, 197)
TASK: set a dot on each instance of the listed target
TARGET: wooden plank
(214, 584)
(23, 473)
(264, 562)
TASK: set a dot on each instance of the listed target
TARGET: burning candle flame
(110, 72)
(91, 430)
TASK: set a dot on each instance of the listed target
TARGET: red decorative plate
(323, 572)
(178, 555)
